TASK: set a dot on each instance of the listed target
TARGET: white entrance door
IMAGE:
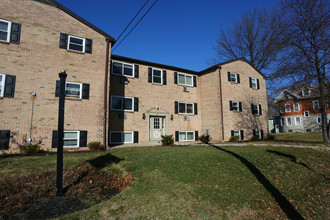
(157, 128)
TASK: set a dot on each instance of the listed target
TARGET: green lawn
(207, 182)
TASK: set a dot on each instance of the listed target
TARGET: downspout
(221, 107)
(106, 95)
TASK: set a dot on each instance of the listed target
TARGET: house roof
(303, 92)
(74, 15)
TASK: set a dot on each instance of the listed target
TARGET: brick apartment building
(114, 98)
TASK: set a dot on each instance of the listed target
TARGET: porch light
(172, 117)
(143, 116)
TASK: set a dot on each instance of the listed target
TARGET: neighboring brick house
(300, 110)
(149, 100)
(37, 40)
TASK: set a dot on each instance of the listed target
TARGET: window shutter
(262, 134)
(10, 86)
(176, 107)
(240, 106)
(242, 135)
(231, 105)
(15, 33)
(258, 86)
(136, 71)
(195, 109)
(4, 139)
(83, 139)
(136, 137)
(254, 133)
(252, 109)
(195, 81)
(63, 41)
(196, 135)
(232, 132)
(176, 135)
(175, 78)
(164, 77)
(88, 45)
(136, 104)
(229, 76)
(57, 88)
(260, 110)
(250, 80)
(149, 75)
(54, 139)
(85, 91)
(238, 80)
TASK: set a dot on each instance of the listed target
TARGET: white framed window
(5, 28)
(157, 76)
(71, 139)
(306, 113)
(316, 104)
(297, 120)
(287, 107)
(124, 69)
(185, 79)
(186, 108)
(282, 121)
(237, 133)
(257, 133)
(288, 121)
(76, 43)
(73, 90)
(186, 135)
(319, 120)
(235, 106)
(121, 137)
(122, 103)
(233, 77)
(296, 107)
(2, 84)
(254, 83)
(256, 109)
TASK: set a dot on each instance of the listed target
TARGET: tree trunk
(325, 128)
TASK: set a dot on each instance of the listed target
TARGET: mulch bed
(32, 196)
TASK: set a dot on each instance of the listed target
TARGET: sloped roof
(303, 92)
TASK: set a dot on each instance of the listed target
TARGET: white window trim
(305, 114)
(282, 121)
(317, 121)
(122, 97)
(235, 77)
(84, 43)
(80, 95)
(318, 104)
(117, 74)
(152, 76)
(239, 134)
(8, 30)
(256, 83)
(78, 141)
(3, 84)
(193, 108)
(288, 105)
(259, 135)
(185, 75)
(237, 106)
(287, 124)
(122, 132)
(295, 120)
(294, 107)
(187, 135)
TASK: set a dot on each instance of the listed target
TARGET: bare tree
(303, 29)
(250, 37)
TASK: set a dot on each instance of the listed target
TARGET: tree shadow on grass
(104, 160)
(283, 202)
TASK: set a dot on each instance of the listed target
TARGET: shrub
(205, 138)
(30, 149)
(167, 140)
(233, 139)
(270, 137)
(254, 138)
(95, 146)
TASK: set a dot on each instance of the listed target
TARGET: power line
(134, 26)
(133, 19)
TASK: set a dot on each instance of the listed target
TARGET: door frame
(157, 112)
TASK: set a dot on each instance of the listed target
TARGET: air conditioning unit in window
(186, 118)
(186, 89)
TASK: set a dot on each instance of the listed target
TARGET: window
(122, 103)
(288, 122)
(186, 108)
(297, 120)
(235, 106)
(258, 133)
(2, 84)
(121, 137)
(76, 43)
(306, 113)
(5, 28)
(186, 135)
(184, 79)
(73, 90)
(316, 104)
(254, 83)
(125, 69)
(157, 76)
(282, 121)
(237, 133)
(256, 109)
(319, 120)
(7, 85)
(233, 77)
(296, 107)
(287, 107)
(71, 139)
(4, 139)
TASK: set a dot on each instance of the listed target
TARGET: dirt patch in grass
(33, 195)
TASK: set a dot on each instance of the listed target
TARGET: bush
(167, 140)
(95, 146)
(30, 149)
(233, 139)
(270, 137)
(205, 138)
(254, 138)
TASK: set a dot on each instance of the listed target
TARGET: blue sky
(179, 33)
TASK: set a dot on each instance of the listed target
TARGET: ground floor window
(288, 122)
(123, 137)
(258, 133)
(297, 120)
(4, 139)
(319, 120)
(237, 133)
(186, 135)
(71, 139)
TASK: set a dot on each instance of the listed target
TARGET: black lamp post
(60, 130)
